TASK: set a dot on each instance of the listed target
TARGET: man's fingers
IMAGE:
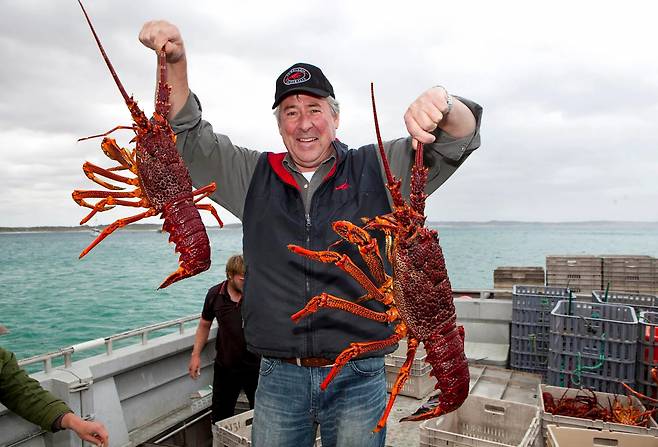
(428, 120)
(416, 130)
(94, 439)
(158, 34)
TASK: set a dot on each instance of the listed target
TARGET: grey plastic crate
(536, 331)
(536, 297)
(639, 302)
(531, 316)
(529, 361)
(529, 344)
(613, 322)
(593, 345)
(569, 379)
(605, 368)
(647, 354)
(529, 352)
(531, 308)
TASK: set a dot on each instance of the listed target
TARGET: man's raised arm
(157, 34)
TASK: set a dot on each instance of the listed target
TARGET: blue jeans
(290, 405)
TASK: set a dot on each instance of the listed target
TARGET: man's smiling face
(308, 127)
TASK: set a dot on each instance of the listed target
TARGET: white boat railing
(67, 353)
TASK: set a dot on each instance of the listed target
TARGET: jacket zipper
(309, 342)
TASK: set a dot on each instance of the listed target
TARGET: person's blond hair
(234, 266)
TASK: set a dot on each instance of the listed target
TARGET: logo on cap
(296, 75)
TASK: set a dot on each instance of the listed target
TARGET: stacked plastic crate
(636, 274)
(646, 309)
(581, 274)
(531, 325)
(638, 301)
(592, 345)
(507, 277)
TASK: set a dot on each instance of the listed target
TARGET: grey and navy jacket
(278, 206)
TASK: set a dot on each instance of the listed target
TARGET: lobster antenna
(127, 98)
(387, 168)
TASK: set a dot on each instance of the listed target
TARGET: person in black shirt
(235, 367)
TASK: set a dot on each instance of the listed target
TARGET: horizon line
(477, 222)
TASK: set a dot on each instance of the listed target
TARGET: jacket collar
(276, 162)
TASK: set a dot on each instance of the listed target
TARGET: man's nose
(305, 123)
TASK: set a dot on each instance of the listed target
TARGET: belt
(312, 362)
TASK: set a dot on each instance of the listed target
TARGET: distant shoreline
(88, 229)
(158, 227)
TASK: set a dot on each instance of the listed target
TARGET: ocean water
(50, 299)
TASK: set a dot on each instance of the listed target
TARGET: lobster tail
(445, 352)
(183, 222)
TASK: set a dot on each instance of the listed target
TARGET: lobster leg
(356, 349)
(122, 156)
(344, 263)
(79, 195)
(638, 394)
(110, 199)
(333, 302)
(205, 192)
(91, 169)
(108, 204)
(213, 211)
(368, 247)
(403, 375)
(115, 226)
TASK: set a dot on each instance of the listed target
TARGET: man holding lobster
(292, 198)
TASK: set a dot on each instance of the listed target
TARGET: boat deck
(142, 390)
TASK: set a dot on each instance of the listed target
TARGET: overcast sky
(569, 90)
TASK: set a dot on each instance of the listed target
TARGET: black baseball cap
(302, 77)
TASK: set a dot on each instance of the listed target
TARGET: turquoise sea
(49, 299)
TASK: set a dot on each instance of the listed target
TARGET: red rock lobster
(418, 295)
(587, 406)
(162, 185)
